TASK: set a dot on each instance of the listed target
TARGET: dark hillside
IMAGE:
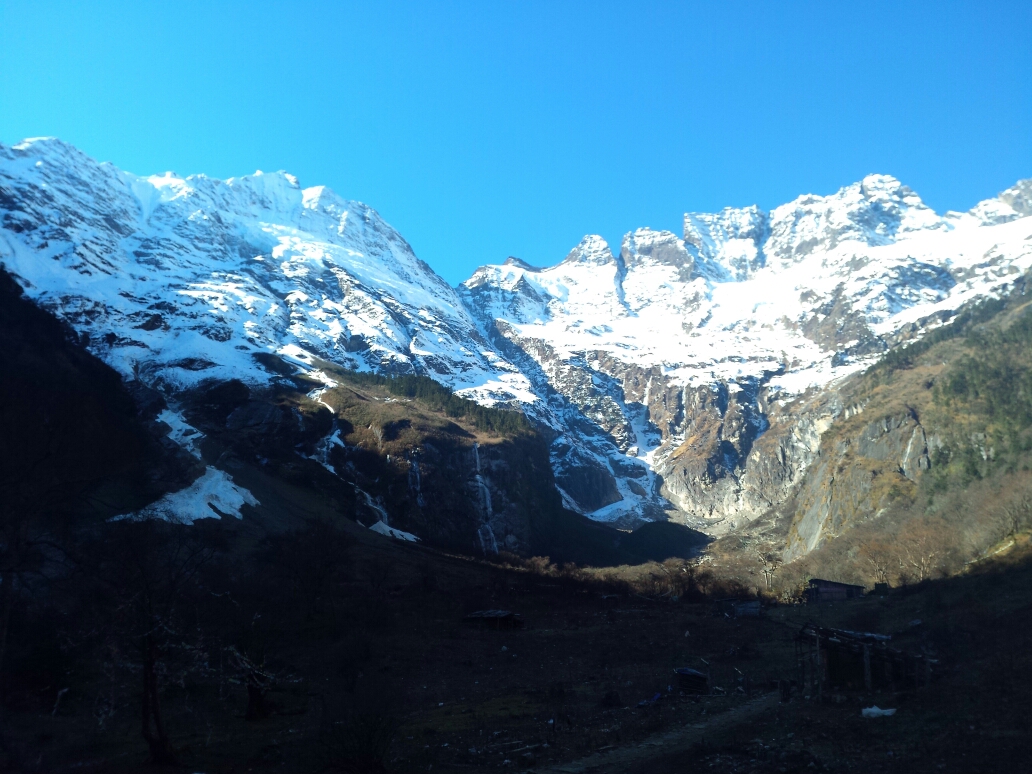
(296, 639)
(104, 619)
(72, 438)
(74, 451)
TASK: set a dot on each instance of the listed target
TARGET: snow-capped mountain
(683, 373)
(190, 278)
(683, 351)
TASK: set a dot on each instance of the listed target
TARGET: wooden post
(867, 666)
(817, 668)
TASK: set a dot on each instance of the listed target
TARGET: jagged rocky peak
(164, 197)
(731, 239)
(192, 278)
(875, 211)
(621, 347)
(512, 260)
(45, 148)
(1019, 197)
(592, 250)
(1014, 203)
(645, 247)
(277, 198)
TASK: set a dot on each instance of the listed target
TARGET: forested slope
(926, 470)
(932, 468)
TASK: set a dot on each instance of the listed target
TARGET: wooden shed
(500, 620)
(821, 590)
(844, 660)
(692, 680)
(737, 608)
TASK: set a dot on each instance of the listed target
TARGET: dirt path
(622, 759)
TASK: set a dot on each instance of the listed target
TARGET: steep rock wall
(855, 476)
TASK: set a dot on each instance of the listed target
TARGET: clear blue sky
(486, 129)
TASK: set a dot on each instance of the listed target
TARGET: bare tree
(145, 572)
(258, 680)
(770, 562)
(1017, 514)
(876, 554)
(921, 545)
(683, 576)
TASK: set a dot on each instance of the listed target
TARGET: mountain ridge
(848, 277)
(669, 374)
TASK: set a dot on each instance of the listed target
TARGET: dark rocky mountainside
(406, 458)
(400, 456)
(75, 440)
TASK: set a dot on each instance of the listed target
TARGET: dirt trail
(663, 745)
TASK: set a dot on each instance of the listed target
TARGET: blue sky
(487, 129)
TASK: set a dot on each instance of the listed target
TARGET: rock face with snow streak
(687, 375)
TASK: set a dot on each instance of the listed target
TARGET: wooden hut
(844, 660)
(692, 680)
(736, 608)
(821, 590)
(499, 620)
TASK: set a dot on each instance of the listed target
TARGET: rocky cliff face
(856, 476)
(928, 420)
(392, 463)
(683, 376)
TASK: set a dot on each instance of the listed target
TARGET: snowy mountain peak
(1011, 204)
(191, 278)
(645, 247)
(49, 146)
(731, 239)
(676, 349)
(878, 210)
(883, 186)
(512, 260)
(1019, 197)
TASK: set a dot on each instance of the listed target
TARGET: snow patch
(214, 490)
(183, 433)
(382, 529)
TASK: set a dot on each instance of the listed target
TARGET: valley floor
(583, 688)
